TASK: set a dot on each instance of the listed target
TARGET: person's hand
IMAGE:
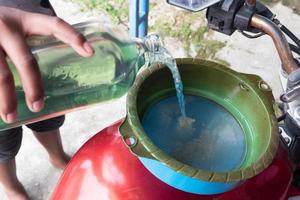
(15, 27)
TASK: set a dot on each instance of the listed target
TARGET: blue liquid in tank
(210, 138)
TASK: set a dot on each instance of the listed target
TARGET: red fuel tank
(105, 169)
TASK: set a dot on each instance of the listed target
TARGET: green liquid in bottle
(72, 82)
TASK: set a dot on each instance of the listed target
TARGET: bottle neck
(152, 51)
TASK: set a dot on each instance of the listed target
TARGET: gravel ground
(250, 56)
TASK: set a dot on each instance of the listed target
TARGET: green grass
(117, 9)
(180, 28)
(189, 36)
(172, 23)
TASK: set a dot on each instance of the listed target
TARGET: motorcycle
(121, 163)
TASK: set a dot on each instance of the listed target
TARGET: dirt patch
(293, 4)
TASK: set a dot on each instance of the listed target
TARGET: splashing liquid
(157, 53)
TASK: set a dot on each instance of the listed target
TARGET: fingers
(8, 102)
(15, 47)
(15, 26)
(37, 24)
(67, 34)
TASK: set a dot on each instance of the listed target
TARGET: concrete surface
(251, 56)
(33, 168)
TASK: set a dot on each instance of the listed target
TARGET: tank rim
(145, 148)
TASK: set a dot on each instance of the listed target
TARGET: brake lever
(293, 86)
(291, 94)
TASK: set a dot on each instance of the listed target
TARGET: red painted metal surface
(104, 169)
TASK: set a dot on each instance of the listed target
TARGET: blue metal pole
(138, 17)
(133, 17)
(143, 18)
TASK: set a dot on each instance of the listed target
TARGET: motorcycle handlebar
(280, 41)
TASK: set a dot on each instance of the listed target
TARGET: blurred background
(185, 34)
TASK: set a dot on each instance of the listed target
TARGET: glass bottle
(72, 82)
